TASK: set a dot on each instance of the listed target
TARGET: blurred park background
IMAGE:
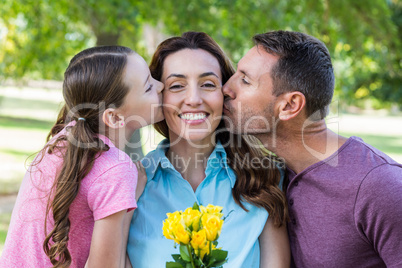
(39, 37)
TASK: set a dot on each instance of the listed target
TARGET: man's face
(249, 103)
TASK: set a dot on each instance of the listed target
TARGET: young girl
(72, 207)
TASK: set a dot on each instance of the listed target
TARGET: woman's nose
(193, 96)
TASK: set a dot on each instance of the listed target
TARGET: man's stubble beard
(249, 122)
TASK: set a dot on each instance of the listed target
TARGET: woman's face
(142, 105)
(192, 99)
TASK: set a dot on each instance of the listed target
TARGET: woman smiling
(199, 162)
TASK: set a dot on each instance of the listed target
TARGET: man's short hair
(304, 65)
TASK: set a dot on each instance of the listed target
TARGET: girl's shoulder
(112, 172)
(113, 159)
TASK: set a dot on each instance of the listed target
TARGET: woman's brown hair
(257, 170)
(93, 82)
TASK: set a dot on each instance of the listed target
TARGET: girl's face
(143, 104)
(192, 99)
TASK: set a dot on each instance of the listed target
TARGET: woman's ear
(291, 104)
(112, 119)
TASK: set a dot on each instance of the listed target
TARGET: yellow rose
(175, 216)
(205, 250)
(216, 210)
(199, 239)
(192, 217)
(170, 223)
(167, 230)
(181, 235)
(212, 225)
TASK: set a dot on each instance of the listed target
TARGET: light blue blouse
(167, 191)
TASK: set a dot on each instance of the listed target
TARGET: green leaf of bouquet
(171, 264)
(219, 255)
(179, 259)
(196, 206)
(211, 262)
(219, 264)
(206, 258)
(176, 257)
(189, 265)
(227, 215)
(185, 255)
(198, 262)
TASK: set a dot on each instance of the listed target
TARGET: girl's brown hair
(93, 82)
(257, 172)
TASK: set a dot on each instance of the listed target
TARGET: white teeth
(193, 116)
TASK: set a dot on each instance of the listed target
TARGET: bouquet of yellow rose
(196, 230)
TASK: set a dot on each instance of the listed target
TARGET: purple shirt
(346, 211)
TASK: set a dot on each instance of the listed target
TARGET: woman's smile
(194, 118)
(193, 99)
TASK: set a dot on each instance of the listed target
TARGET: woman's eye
(208, 85)
(149, 88)
(175, 87)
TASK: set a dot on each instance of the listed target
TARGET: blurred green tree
(364, 37)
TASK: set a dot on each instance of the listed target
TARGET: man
(344, 196)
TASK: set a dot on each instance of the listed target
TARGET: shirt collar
(218, 158)
(219, 155)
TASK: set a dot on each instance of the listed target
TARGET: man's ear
(291, 104)
(112, 119)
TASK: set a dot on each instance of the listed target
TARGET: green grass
(4, 223)
(11, 103)
(15, 153)
(26, 116)
(388, 144)
(24, 124)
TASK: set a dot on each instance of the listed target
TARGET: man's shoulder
(385, 177)
(381, 189)
(357, 161)
(362, 158)
(359, 148)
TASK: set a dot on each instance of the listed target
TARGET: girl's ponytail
(79, 158)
